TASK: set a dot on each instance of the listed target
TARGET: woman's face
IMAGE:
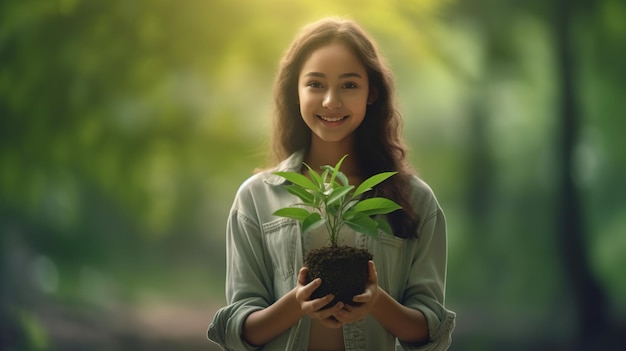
(333, 92)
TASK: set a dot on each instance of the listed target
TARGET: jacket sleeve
(426, 283)
(248, 279)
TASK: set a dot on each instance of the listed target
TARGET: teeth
(332, 119)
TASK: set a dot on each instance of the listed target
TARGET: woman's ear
(372, 97)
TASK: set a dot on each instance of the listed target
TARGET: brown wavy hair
(379, 143)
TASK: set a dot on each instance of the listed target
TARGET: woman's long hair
(378, 139)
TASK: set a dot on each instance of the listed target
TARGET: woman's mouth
(332, 119)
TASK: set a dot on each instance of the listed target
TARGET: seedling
(327, 198)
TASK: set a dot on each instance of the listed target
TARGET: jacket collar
(291, 164)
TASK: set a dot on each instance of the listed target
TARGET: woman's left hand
(351, 314)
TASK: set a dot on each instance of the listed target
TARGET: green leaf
(349, 214)
(296, 213)
(298, 179)
(327, 168)
(312, 221)
(333, 209)
(376, 205)
(315, 177)
(342, 178)
(303, 194)
(384, 226)
(338, 193)
(336, 169)
(372, 181)
(350, 205)
(324, 175)
(362, 224)
(317, 202)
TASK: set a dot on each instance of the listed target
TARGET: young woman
(334, 96)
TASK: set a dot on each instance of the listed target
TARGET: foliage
(334, 202)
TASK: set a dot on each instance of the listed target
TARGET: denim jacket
(265, 253)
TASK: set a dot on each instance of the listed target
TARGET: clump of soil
(343, 270)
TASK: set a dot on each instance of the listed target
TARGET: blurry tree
(531, 89)
(590, 301)
(569, 26)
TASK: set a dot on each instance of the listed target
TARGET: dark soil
(343, 270)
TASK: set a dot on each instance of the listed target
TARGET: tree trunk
(589, 299)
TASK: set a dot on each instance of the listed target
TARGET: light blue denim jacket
(264, 255)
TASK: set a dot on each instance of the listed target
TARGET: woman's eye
(349, 85)
(315, 85)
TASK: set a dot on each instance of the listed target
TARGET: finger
(312, 307)
(328, 312)
(312, 286)
(304, 293)
(318, 304)
(350, 314)
(373, 275)
(363, 298)
(342, 317)
(331, 322)
(302, 274)
(366, 295)
(346, 315)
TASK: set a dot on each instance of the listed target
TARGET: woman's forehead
(333, 60)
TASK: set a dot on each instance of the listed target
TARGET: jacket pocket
(281, 239)
(392, 264)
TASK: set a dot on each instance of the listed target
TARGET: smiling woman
(333, 91)
(334, 96)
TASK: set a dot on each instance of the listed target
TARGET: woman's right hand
(313, 307)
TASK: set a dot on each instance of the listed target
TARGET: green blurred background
(127, 126)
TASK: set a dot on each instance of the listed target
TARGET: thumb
(373, 275)
(302, 275)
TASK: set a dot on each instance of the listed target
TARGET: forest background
(126, 128)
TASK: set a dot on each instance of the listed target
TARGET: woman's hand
(312, 307)
(351, 314)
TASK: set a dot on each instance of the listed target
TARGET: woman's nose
(332, 101)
